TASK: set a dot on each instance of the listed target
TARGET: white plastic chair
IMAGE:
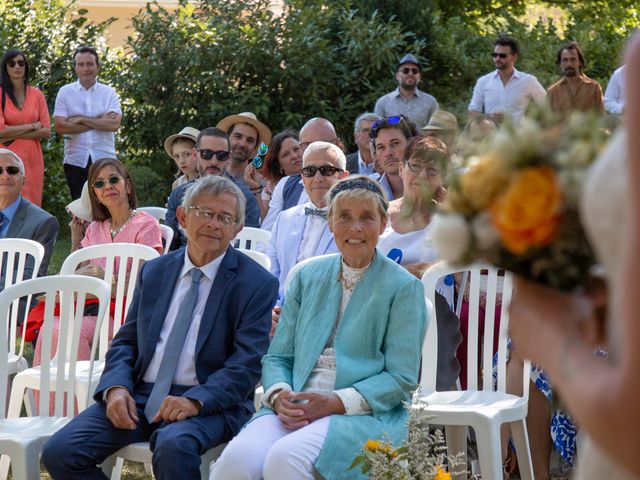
(484, 408)
(14, 255)
(167, 236)
(159, 213)
(140, 452)
(251, 238)
(126, 254)
(259, 257)
(22, 438)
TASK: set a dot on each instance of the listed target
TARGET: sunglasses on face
(11, 170)
(258, 161)
(206, 214)
(13, 63)
(408, 70)
(496, 54)
(325, 171)
(112, 180)
(207, 154)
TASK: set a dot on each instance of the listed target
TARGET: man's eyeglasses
(13, 63)
(258, 161)
(206, 214)
(11, 170)
(112, 180)
(501, 55)
(207, 154)
(325, 171)
(408, 70)
(419, 167)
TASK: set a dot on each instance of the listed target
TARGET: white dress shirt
(72, 100)
(614, 95)
(365, 168)
(314, 225)
(491, 96)
(186, 370)
(277, 202)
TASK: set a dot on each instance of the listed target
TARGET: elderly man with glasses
(212, 156)
(505, 91)
(407, 100)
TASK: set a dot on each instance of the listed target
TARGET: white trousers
(264, 449)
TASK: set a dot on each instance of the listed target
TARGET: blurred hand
(275, 316)
(121, 409)
(174, 409)
(318, 405)
(77, 231)
(37, 125)
(251, 176)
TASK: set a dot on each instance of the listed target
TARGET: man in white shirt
(506, 91)
(182, 370)
(362, 161)
(87, 113)
(614, 95)
(302, 231)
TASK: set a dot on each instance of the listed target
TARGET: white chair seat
(24, 428)
(456, 403)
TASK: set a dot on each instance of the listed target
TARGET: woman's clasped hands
(298, 409)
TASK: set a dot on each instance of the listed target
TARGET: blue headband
(358, 184)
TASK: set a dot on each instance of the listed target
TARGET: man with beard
(246, 133)
(574, 91)
(506, 91)
(212, 156)
(416, 106)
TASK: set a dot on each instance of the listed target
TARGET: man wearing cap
(87, 113)
(505, 91)
(443, 126)
(19, 218)
(245, 134)
(417, 106)
(211, 152)
(180, 148)
(362, 161)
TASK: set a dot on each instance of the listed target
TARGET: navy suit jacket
(352, 163)
(233, 335)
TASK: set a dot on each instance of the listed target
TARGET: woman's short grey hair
(6, 151)
(215, 185)
(319, 146)
(359, 188)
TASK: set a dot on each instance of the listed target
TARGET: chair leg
(523, 449)
(456, 436)
(116, 471)
(5, 461)
(26, 467)
(108, 465)
(489, 452)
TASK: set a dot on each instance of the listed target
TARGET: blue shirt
(9, 212)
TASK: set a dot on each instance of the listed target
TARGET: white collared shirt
(614, 95)
(186, 370)
(314, 225)
(72, 100)
(491, 96)
(277, 202)
(363, 167)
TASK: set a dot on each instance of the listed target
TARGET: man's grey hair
(320, 146)
(366, 116)
(6, 151)
(215, 185)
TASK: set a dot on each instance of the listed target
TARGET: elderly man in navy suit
(182, 370)
(19, 218)
(302, 232)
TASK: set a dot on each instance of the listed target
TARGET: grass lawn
(61, 250)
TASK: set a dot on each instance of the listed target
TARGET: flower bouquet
(515, 204)
(422, 457)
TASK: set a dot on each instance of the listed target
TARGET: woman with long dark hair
(24, 120)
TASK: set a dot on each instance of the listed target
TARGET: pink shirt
(142, 228)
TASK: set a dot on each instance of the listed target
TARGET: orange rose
(483, 182)
(528, 214)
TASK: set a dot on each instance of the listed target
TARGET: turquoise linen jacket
(378, 345)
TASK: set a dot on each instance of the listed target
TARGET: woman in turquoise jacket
(344, 358)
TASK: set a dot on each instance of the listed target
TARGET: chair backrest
(20, 259)
(159, 213)
(167, 236)
(249, 238)
(259, 257)
(68, 293)
(301, 264)
(488, 281)
(122, 264)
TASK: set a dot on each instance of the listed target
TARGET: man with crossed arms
(182, 370)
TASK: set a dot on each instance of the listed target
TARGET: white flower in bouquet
(486, 235)
(451, 236)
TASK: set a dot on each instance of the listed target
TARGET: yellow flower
(372, 445)
(376, 446)
(441, 474)
(528, 214)
(484, 181)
